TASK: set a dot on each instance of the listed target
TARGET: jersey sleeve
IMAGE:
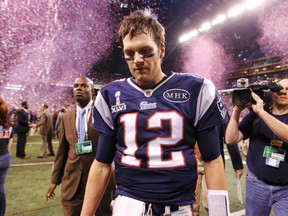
(209, 143)
(102, 119)
(106, 149)
(211, 114)
(102, 122)
(210, 108)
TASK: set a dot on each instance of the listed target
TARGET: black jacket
(22, 125)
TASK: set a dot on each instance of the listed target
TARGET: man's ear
(93, 91)
(162, 51)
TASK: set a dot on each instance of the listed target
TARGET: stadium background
(44, 45)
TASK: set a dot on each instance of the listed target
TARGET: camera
(241, 96)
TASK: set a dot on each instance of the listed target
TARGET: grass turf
(27, 183)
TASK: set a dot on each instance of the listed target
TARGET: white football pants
(126, 206)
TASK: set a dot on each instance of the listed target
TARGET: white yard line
(238, 213)
(31, 164)
(37, 143)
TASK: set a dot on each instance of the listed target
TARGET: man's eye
(146, 51)
(127, 58)
(148, 55)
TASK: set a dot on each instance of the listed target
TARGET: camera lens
(241, 97)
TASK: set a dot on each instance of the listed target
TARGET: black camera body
(242, 95)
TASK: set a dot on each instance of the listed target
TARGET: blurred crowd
(34, 116)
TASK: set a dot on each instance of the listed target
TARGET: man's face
(82, 90)
(281, 98)
(42, 108)
(26, 106)
(144, 58)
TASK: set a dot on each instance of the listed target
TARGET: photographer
(267, 159)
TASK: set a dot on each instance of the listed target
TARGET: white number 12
(154, 148)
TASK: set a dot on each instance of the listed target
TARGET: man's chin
(142, 77)
(79, 99)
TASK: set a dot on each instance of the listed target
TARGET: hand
(258, 107)
(32, 125)
(239, 173)
(239, 108)
(50, 193)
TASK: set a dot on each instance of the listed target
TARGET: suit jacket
(22, 125)
(45, 123)
(70, 167)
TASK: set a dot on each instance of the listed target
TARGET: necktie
(81, 125)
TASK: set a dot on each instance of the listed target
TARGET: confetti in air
(206, 56)
(273, 26)
(45, 45)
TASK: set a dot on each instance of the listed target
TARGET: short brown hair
(141, 21)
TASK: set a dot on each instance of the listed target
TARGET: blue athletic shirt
(5, 135)
(153, 132)
(260, 135)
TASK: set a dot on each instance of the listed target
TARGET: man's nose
(138, 57)
(79, 87)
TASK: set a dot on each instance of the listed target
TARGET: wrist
(262, 113)
(236, 113)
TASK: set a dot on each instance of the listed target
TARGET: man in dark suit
(22, 128)
(72, 164)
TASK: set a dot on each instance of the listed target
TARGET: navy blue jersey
(5, 136)
(260, 135)
(155, 132)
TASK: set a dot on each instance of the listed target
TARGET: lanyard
(86, 119)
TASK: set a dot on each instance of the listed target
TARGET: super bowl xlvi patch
(118, 106)
(222, 108)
